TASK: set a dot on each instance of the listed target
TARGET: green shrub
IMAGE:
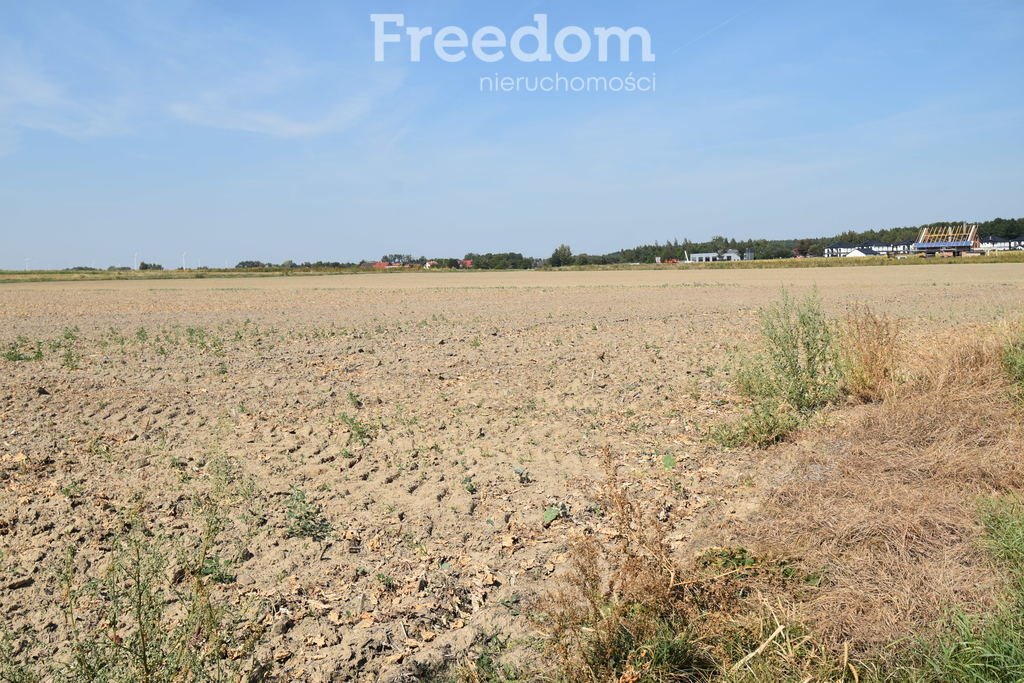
(795, 371)
(798, 361)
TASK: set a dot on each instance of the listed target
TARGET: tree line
(1007, 228)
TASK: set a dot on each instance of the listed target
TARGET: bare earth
(433, 417)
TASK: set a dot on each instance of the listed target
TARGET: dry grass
(886, 504)
(871, 347)
(623, 612)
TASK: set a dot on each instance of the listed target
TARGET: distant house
(860, 252)
(838, 249)
(904, 247)
(381, 265)
(713, 256)
(993, 243)
(430, 264)
(466, 263)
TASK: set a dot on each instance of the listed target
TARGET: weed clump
(305, 519)
(796, 370)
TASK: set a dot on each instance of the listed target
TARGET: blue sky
(265, 130)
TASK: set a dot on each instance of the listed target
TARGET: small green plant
(16, 353)
(387, 581)
(216, 569)
(552, 513)
(305, 519)
(484, 665)
(72, 490)
(70, 359)
(11, 669)
(357, 429)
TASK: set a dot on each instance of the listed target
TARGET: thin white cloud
(212, 113)
(30, 100)
(253, 103)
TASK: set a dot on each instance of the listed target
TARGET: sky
(211, 132)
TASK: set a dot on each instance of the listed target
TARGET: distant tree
(288, 264)
(562, 256)
(150, 266)
(242, 265)
(501, 261)
(801, 247)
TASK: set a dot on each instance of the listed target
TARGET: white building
(861, 252)
(710, 257)
(838, 249)
(993, 243)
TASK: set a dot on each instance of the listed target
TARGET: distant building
(993, 243)
(841, 249)
(861, 252)
(838, 249)
(713, 256)
(876, 246)
(904, 247)
(951, 240)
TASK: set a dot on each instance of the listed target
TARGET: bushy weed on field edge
(805, 361)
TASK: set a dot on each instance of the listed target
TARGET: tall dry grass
(885, 503)
(871, 348)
